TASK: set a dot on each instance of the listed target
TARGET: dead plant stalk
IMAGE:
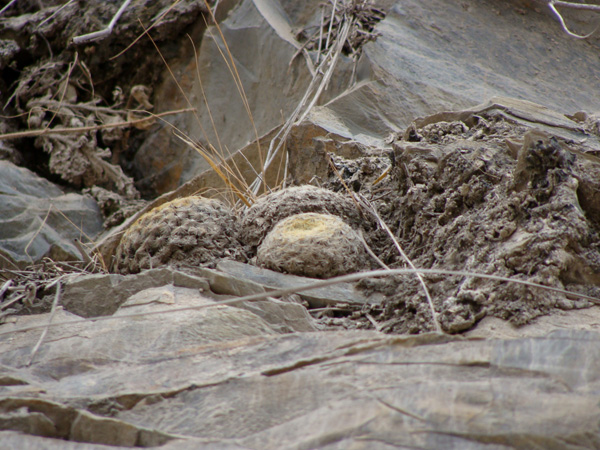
(71, 130)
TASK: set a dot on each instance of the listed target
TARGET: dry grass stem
(98, 35)
(225, 176)
(230, 62)
(315, 88)
(43, 336)
(69, 130)
(371, 208)
(8, 5)
(552, 5)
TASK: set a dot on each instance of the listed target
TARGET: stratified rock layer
(37, 219)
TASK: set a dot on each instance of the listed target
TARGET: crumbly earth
(260, 219)
(498, 199)
(192, 231)
(312, 245)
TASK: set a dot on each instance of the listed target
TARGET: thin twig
(576, 5)
(238, 82)
(321, 34)
(63, 130)
(302, 110)
(37, 232)
(371, 208)
(53, 14)
(376, 325)
(52, 312)
(372, 253)
(84, 255)
(330, 24)
(5, 287)
(12, 2)
(315, 285)
(98, 35)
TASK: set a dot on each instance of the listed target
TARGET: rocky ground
(197, 322)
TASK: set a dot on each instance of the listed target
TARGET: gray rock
(38, 220)
(235, 278)
(102, 294)
(429, 57)
(220, 375)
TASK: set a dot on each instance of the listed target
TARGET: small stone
(312, 245)
(187, 231)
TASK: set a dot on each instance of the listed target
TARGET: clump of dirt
(499, 199)
(114, 207)
(192, 231)
(79, 102)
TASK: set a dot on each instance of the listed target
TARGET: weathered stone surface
(38, 219)
(102, 294)
(429, 57)
(312, 245)
(188, 375)
(235, 278)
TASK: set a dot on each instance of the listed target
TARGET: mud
(498, 199)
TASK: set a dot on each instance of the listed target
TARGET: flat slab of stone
(235, 278)
(222, 378)
(101, 294)
(39, 220)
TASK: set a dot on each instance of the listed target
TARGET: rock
(416, 67)
(312, 245)
(281, 317)
(102, 294)
(235, 278)
(186, 377)
(39, 220)
(189, 231)
(260, 219)
(53, 420)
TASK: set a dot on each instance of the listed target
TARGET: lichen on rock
(312, 245)
(186, 231)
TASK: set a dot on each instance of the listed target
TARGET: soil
(467, 199)
(494, 197)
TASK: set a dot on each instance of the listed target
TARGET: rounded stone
(260, 219)
(312, 245)
(188, 231)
